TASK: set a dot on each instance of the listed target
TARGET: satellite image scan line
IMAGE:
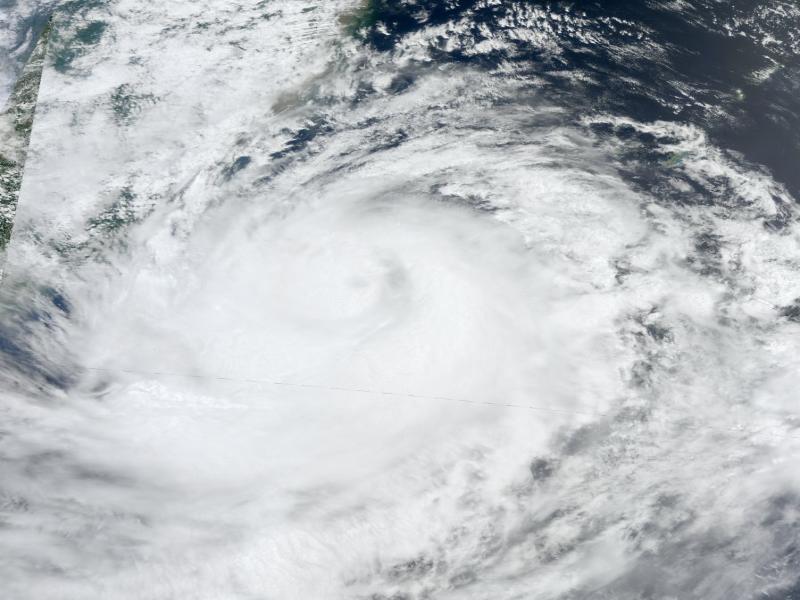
(16, 122)
(399, 300)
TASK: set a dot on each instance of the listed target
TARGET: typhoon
(400, 300)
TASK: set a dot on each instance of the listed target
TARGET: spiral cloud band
(292, 310)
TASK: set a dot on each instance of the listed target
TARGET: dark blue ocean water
(700, 62)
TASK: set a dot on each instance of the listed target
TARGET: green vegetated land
(363, 17)
(16, 122)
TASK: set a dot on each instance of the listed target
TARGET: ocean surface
(403, 300)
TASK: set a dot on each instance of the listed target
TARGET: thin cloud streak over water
(278, 294)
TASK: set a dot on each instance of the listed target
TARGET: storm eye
(399, 299)
(338, 278)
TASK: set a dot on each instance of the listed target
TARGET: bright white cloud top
(289, 316)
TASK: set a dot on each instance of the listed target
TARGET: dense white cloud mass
(286, 316)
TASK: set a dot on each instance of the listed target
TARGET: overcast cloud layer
(293, 313)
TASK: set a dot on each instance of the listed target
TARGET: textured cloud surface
(295, 310)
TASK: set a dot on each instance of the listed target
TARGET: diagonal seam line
(411, 395)
(346, 389)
